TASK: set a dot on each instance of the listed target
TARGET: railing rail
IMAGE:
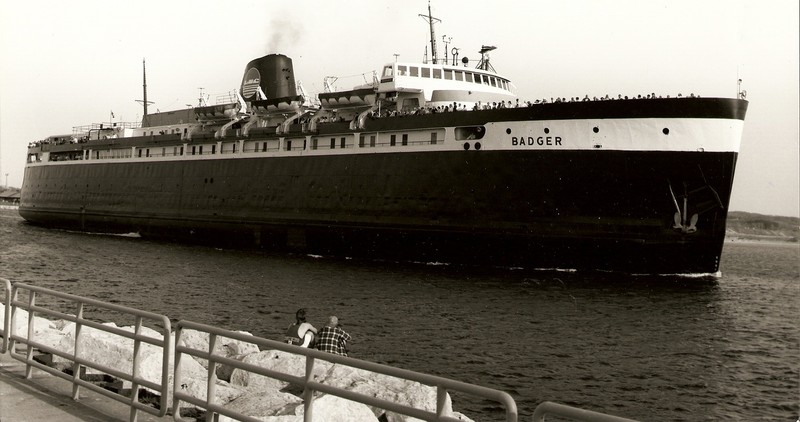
(79, 362)
(443, 385)
(6, 328)
(573, 413)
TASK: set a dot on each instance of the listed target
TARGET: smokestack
(272, 73)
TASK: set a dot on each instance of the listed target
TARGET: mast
(144, 87)
(431, 20)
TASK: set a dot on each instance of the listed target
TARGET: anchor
(704, 199)
(680, 217)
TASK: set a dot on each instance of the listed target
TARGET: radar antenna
(484, 63)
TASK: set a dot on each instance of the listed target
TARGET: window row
(446, 74)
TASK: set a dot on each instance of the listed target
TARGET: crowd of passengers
(429, 110)
(509, 104)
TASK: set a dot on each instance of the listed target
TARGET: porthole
(477, 146)
(665, 131)
(466, 146)
(546, 130)
(508, 131)
(595, 129)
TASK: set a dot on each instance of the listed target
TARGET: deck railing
(443, 385)
(77, 359)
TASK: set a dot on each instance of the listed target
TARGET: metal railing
(574, 413)
(80, 363)
(6, 328)
(443, 385)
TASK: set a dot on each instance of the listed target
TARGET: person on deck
(332, 338)
(301, 333)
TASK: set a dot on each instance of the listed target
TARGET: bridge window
(437, 73)
(448, 74)
(414, 71)
(402, 70)
(426, 72)
(459, 75)
(468, 76)
(388, 72)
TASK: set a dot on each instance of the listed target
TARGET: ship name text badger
(541, 140)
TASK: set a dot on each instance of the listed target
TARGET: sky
(73, 63)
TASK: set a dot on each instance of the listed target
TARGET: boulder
(227, 347)
(279, 361)
(261, 405)
(44, 330)
(388, 388)
(326, 407)
(113, 351)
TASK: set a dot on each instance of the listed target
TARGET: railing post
(76, 367)
(308, 393)
(137, 345)
(29, 348)
(6, 315)
(211, 389)
(441, 400)
(12, 321)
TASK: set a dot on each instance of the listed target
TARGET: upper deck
(441, 84)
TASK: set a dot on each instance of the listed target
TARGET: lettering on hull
(536, 141)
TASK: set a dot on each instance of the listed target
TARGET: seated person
(300, 333)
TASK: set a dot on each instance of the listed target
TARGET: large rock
(326, 408)
(114, 351)
(45, 331)
(262, 405)
(345, 377)
(279, 361)
(387, 388)
(226, 347)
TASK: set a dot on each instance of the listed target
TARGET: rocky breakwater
(247, 393)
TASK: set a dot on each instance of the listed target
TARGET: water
(655, 349)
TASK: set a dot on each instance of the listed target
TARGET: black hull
(609, 210)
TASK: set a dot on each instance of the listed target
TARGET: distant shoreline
(762, 240)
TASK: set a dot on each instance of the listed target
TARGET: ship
(433, 161)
